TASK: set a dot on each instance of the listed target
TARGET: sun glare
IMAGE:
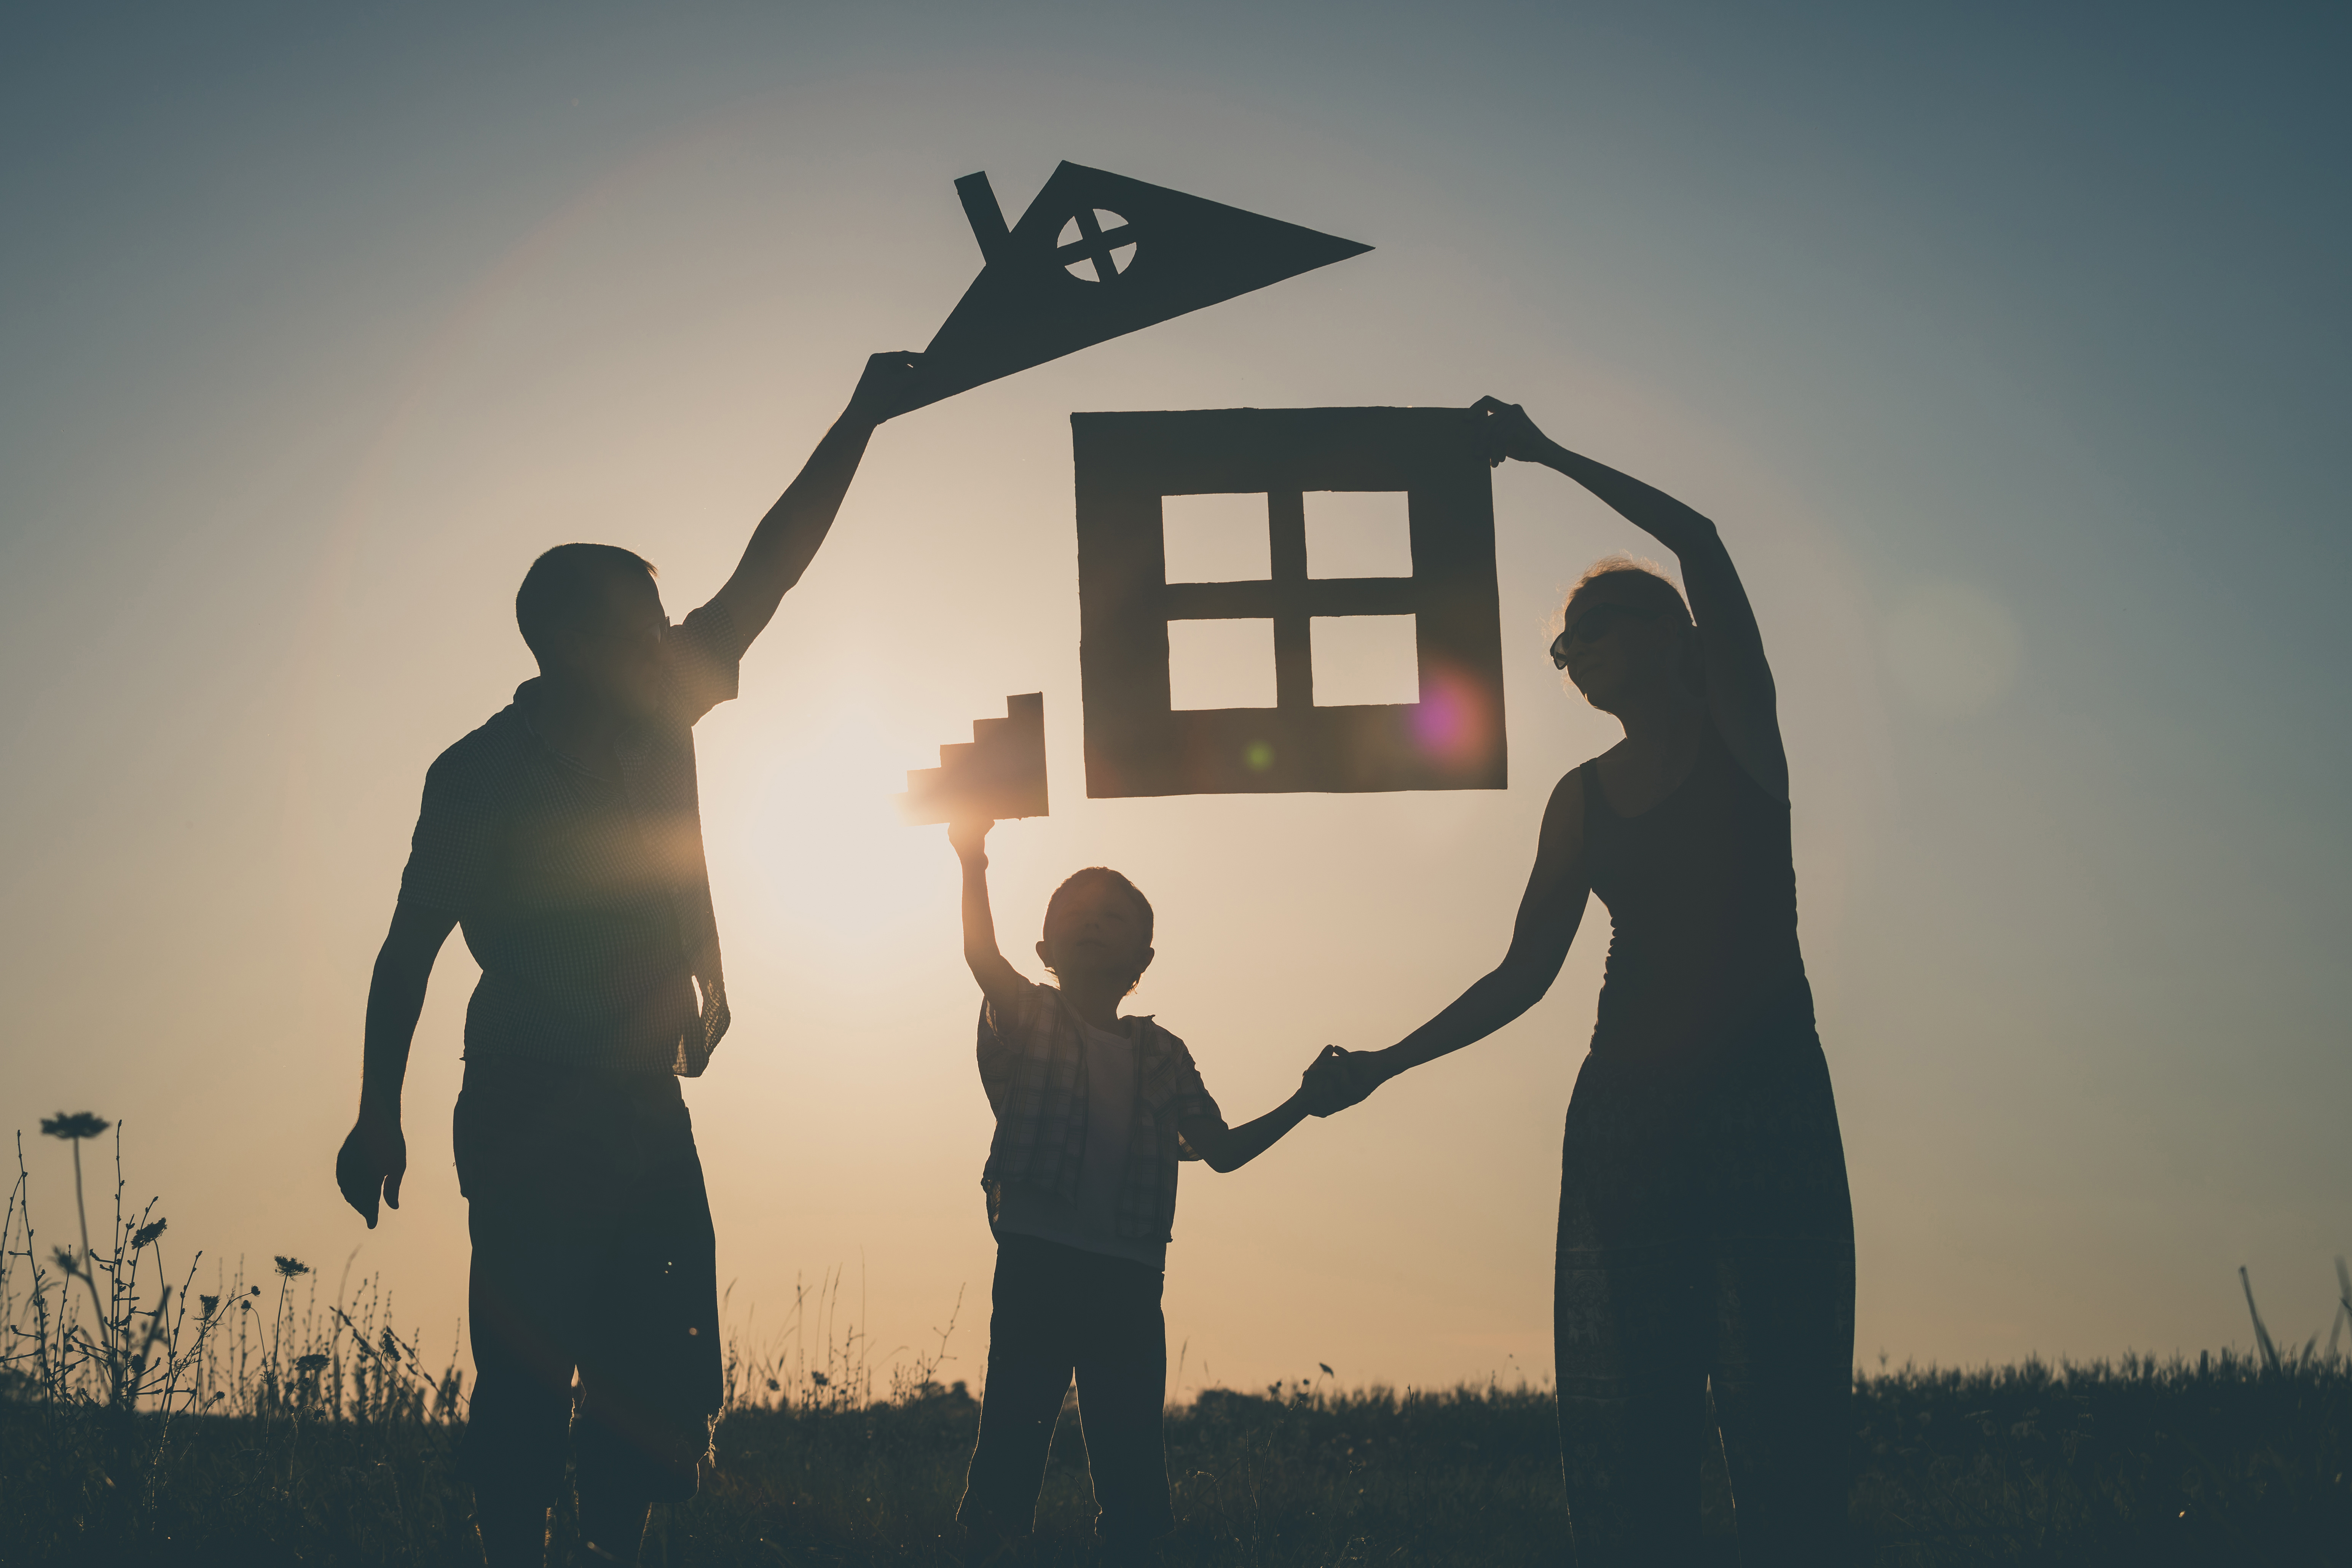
(842, 875)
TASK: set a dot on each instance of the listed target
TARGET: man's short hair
(564, 589)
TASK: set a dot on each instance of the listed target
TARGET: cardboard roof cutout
(1098, 256)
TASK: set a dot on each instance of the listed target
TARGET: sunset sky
(2006, 346)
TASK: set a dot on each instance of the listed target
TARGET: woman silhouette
(1705, 1235)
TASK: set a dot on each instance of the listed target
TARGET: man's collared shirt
(587, 900)
(1032, 1063)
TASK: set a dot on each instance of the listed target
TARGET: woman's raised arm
(1739, 692)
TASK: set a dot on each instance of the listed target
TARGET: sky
(2004, 344)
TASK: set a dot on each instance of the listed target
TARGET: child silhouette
(1093, 1113)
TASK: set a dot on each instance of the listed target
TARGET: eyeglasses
(1592, 626)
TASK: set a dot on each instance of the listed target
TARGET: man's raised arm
(787, 539)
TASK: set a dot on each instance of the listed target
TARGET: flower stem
(88, 1271)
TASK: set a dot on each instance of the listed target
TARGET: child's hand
(969, 836)
(1328, 1085)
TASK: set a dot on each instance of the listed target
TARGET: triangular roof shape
(1141, 255)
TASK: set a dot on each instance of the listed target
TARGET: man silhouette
(564, 836)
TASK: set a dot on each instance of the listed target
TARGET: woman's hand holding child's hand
(1328, 1087)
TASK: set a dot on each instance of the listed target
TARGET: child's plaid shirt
(1032, 1063)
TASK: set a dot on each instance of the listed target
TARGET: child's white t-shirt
(1089, 1221)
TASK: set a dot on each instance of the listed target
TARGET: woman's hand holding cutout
(1508, 431)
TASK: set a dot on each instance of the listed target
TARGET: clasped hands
(1337, 1079)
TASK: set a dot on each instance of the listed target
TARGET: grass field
(256, 1425)
(2134, 1464)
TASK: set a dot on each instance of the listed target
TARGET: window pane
(1217, 538)
(1221, 664)
(1363, 659)
(1358, 534)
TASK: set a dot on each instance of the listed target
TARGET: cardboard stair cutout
(999, 773)
(1138, 743)
(1098, 256)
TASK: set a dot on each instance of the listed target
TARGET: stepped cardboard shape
(1137, 743)
(1000, 774)
(1098, 256)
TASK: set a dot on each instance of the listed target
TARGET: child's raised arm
(999, 981)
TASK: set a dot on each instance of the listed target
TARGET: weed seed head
(291, 1268)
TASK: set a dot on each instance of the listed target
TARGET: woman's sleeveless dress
(1706, 1233)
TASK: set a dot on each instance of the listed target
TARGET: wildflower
(290, 1268)
(65, 1260)
(208, 1305)
(146, 1233)
(310, 1362)
(81, 1124)
(73, 1129)
(774, 1385)
(819, 1379)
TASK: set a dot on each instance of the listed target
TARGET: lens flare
(1453, 720)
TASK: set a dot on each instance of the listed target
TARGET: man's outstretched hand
(1337, 1079)
(883, 388)
(372, 1159)
(1506, 431)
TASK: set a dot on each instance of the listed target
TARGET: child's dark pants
(592, 1250)
(1056, 1310)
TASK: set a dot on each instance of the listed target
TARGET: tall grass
(137, 1411)
(2229, 1458)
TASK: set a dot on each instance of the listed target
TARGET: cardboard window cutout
(1098, 256)
(999, 773)
(1138, 743)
